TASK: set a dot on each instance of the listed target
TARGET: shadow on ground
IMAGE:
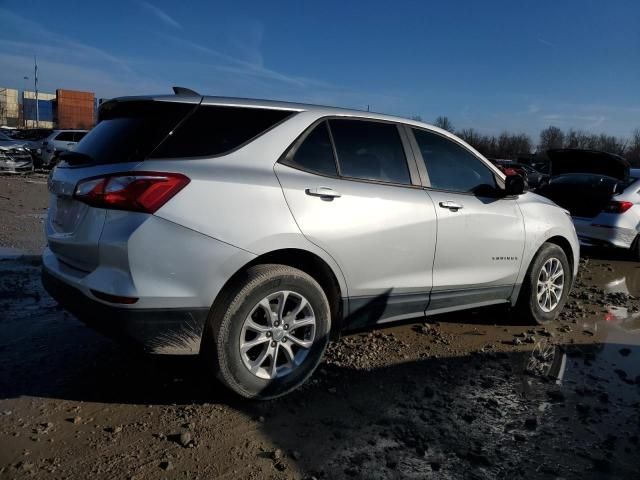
(555, 411)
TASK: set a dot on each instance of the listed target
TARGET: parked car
(33, 138)
(534, 178)
(60, 141)
(252, 231)
(600, 190)
(14, 156)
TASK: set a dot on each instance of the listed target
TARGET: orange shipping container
(74, 109)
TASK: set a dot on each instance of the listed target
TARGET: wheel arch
(310, 263)
(564, 244)
(557, 239)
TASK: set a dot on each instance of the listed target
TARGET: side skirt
(366, 312)
(451, 300)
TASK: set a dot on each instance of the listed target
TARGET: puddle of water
(617, 277)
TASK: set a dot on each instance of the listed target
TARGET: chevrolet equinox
(251, 232)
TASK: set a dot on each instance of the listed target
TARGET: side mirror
(513, 185)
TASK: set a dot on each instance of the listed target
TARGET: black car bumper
(167, 331)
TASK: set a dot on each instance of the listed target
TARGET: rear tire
(540, 300)
(260, 308)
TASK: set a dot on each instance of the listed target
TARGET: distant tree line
(514, 145)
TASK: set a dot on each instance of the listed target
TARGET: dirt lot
(23, 208)
(463, 396)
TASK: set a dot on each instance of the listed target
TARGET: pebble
(185, 439)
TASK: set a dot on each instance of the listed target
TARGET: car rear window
(137, 130)
(64, 137)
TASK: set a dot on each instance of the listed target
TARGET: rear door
(354, 194)
(480, 234)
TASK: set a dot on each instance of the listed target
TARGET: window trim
(420, 160)
(287, 157)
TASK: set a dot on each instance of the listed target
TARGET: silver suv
(59, 141)
(252, 231)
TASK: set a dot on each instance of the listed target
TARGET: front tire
(268, 331)
(546, 286)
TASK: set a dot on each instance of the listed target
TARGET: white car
(600, 190)
(60, 141)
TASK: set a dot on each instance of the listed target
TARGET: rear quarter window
(214, 130)
(136, 130)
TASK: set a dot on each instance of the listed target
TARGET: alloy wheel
(550, 285)
(277, 335)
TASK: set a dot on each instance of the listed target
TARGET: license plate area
(67, 214)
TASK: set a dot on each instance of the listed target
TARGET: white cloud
(160, 14)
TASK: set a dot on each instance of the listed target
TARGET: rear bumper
(601, 231)
(174, 331)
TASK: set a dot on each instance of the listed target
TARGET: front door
(480, 233)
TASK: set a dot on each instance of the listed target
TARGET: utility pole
(24, 90)
(35, 81)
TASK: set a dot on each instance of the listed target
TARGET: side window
(316, 153)
(77, 136)
(65, 137)
(450, 166)
(216, 130)
(370, 150)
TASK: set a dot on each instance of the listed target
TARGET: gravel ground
(23, 207)
(468, 395)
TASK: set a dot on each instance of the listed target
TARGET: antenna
(185, 91)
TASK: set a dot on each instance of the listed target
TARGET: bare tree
(633, 148)
(444, 123)
(551, 137)
(417, 118)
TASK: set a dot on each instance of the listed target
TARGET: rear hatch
(584, 181)
(127, 132)
(130, 131)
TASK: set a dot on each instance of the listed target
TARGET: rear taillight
(617, 207)
(133, 191)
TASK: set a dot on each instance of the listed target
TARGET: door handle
(453, 206)
(322, 192)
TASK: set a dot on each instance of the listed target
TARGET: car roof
(320, 110)
(317, 110)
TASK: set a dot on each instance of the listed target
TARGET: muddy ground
(468, 395)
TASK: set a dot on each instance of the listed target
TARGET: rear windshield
(137, 130)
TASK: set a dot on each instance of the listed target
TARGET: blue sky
(490, 65)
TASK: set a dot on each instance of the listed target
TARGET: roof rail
(185, 91)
